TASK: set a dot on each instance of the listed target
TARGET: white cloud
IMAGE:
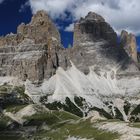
(70, 28)
(56, 8)
(1, 1)
(121, 14)
(24, 6)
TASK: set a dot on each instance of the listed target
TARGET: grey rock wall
(33, 52)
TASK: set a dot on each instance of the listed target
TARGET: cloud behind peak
(121, 14)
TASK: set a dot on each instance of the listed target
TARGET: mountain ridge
(87, 92)
(97, 73)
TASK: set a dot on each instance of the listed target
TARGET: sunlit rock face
(32, 53)
(128, 42)
(40, 30)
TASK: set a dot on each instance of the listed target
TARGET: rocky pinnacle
(92, 28)
(128, 42)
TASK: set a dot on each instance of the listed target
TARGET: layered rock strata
(33, 52)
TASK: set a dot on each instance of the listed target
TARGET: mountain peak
(93, 28)
(95, 17)
(40, 17)
(128, 42)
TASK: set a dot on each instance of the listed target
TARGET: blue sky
(121, 14)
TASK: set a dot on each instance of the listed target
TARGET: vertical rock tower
(92, 28)
(95, 44)
(33, 52)
(128, 42)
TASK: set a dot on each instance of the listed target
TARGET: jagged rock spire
(93, 28)
(40, 30)
(128, 42)
(32, 53)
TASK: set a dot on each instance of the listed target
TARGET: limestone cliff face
(33, 52)
(94, 27)
(40, 30)
(95, 44)
(128, 42)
